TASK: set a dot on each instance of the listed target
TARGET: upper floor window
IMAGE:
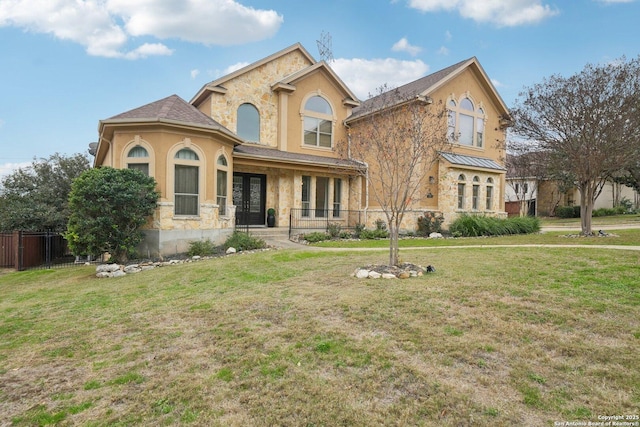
(466, 123)
(318, 122)
(248, 123)
(138, 159)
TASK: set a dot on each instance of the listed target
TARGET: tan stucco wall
(445, 176)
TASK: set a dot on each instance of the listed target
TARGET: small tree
(108, 208)
(35, 197)
(399, 138)
(588, 125)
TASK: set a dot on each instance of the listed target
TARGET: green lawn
(497, 336)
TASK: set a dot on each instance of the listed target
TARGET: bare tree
(399, 138)
(587, 125)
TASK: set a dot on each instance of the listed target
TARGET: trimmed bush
(568, 211)
(244, 242)
(479, 225)
(374, 234)
(316, 236)
(334, 229)
(430, 223)
(202, 248)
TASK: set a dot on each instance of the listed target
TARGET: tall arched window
(489, 194)
(318, 123)
(221, 185)
(466, 123)
(475, 196)
(461, 186)
(248, 123)
(138, 159)
(186, 182)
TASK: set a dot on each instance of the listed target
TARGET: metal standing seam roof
(478, 162)
(272, 154)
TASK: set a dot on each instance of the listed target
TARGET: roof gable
(322, 66)
(216, 85)
(425, 86)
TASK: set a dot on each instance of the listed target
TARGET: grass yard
(497, 336)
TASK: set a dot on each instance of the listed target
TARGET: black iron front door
(249, 196)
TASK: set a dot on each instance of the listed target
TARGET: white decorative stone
(435, 236)
(362, 273)
(103, 274)
(107, 268)
(374, 275)
(118, 273)
(133, 268)
(388, 276)
(231, 250)
(196, 257)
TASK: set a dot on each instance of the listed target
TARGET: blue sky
(66, 64)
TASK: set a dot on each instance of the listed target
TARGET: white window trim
(312, 114)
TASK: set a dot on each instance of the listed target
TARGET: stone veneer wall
(167, 234)
(255, 87)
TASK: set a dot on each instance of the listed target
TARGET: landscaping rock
(435, 236)
(362, 273)
(231, 251)
(389, 276)
(107, 268)
(374, 275)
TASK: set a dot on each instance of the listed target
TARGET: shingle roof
(171, 109)
(254, 151)
(478, 162)
(411, 89)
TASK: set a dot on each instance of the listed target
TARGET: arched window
(475, 193)
(461, 186)
(466, 123)
(318, 123)
(489, 194)
(138, 159)
(248, 123)
(186, 182)
(221, 185)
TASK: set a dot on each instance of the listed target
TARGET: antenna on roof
(324, 47)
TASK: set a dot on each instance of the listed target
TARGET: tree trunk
(586, 209)
(394, 251)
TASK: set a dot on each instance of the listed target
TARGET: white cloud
(194, 73)
(9, 168)
(496, 83)
(443, 51)
(105, 27)
(403, 45)
(504, 13)
(365, 76)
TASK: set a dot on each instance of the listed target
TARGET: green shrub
(430, 223)
(381, 225)
(244, 242)
(334, 229)
(316, 236)
(479, 225)
(374, 234)
(345, 235)
(568, 211)
(359, 228)
(202, 248)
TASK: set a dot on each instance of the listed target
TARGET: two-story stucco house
(269, 136)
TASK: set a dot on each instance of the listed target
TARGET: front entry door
(249, 196)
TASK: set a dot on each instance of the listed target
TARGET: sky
(66, 64)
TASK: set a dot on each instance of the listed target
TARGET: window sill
(317, 148)
(186, 217)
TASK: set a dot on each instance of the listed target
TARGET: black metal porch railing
(322, 219)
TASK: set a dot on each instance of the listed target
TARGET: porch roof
(249, 151)
(472, 161)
